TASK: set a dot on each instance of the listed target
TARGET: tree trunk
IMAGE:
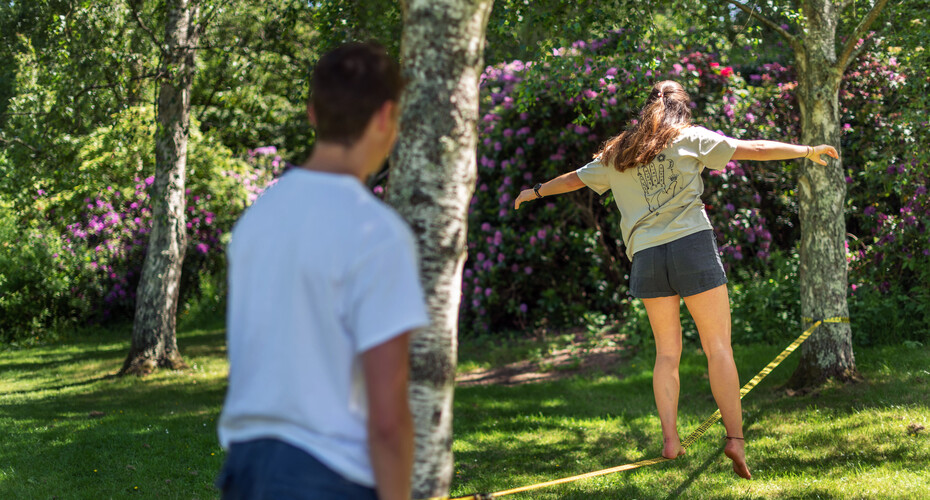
(431, 184)
(822, 192)
(154, 343)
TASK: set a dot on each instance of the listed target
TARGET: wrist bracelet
(536, 190)
(809, 151)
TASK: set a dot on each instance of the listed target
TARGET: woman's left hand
(824, 149)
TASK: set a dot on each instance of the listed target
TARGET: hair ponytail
(666, 113)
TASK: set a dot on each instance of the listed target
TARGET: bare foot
(672, 448)
(735, 450)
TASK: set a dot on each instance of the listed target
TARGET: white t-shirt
(661, 202)
(319, 272)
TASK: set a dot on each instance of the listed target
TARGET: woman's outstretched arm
(564, 183)
(771, 150)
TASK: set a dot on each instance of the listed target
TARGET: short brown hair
(347, 86)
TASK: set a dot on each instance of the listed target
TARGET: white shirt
(319, 272)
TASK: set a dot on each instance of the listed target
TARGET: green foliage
(251, 84)
(73, 64)
(888, 205)
(81, 259)
(524, 30)
(341, 21)
(206, 307)
(35, 287)
(24, 131)
(635, 325)
(765, 305)
(894, 316)
(77, 79)
(77, 64)
(557, 259)
(77, 154)
(561, 258)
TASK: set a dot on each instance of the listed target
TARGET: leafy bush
(82, 258)
(888, 205)
(766, 306)
(551, 262)
(558, 259)
(555, 260)
(34, 289)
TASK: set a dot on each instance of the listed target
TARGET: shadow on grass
(702, 469)
(513, 436)
(110, 436)
(52, 362)
(102, 349)
(115, 441)
(60, 387)
(210, 343)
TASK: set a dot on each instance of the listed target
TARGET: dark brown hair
(666, 113)
(347, 86)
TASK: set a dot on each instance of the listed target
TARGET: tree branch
(207, 19)
(156, 75)
(850, 49)
(19, 141)
(852, 57)
(133, 4)
(792, 41)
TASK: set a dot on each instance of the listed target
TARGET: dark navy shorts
(270, 469)
(686, 266)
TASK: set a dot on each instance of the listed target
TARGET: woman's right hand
(823, 149)
(525, 195)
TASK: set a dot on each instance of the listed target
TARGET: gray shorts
(686, 266)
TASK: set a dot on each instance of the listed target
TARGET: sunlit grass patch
(70, 429)
(841, 441)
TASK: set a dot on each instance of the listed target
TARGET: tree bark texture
(154, 343)
(822, 193)
(431, 183)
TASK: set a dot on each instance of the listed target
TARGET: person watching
(323, 294)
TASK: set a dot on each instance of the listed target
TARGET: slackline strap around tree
(694, 436)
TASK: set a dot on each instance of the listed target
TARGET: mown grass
(843, 441)
(70, 430)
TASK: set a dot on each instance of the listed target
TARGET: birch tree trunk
(431, 184)
(154, 343)
(821, 195)
(828, 353)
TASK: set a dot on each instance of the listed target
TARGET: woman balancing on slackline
(654, 171)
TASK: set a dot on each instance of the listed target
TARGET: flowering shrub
(746, 201)
(890, 258)
(86, 246)
(556, 259)
(75, 254)
(888, 207)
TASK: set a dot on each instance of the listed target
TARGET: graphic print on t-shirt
(659, 181)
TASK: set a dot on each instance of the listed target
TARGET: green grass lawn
(69, 430)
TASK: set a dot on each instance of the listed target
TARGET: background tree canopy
(77, 90)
